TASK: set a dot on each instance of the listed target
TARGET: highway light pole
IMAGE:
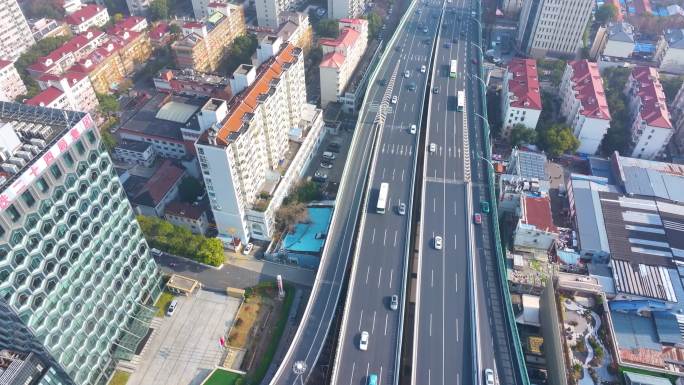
(480, 79)
(478, 47)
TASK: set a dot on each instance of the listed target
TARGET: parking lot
(185, 348)
(333, 174)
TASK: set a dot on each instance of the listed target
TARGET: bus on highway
(382, 198)
(460, 96)
(452, 68)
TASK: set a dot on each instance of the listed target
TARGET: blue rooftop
(309, 237)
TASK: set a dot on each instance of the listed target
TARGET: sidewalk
(294, 274)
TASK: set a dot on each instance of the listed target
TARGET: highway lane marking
(434, 205)
(379, 276)
(402, 175)
(383, 174)
(360, 319)
(395, 239)
(373, 238)
(391, 275)
(367, 370)
(386, 319)
(455, 208)
(455, 240)
(430, 331)
(432, 278)
(456, 280)
(456, 329)
(394, 171)
(367, 274)
(384, 239)
(429, 376)
(413, 107)
(380, 376)
(373, 327)
(351, 378)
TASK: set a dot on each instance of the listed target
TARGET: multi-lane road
(382, 248)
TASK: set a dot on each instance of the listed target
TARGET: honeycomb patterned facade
(77, 282)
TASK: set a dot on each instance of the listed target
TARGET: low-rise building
(535, 228)
(132, 23)
(670, 51)
(521, 98)
(42, 28)
(11, 84)
(340, 58)
(204, 43)
(103, 66)
(192, 217)
(191, 83)
(75, 87)
(135, 152)
(60, 60)
(150, 196)
(251, 159)
(525, 174)
(51, 97)
(89, 16)
(584, 104)
(160, 35)
(651, 126)
(616, 40)
(296, 29)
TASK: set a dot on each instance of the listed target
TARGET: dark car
(412, 87)
(383, 82)
(334, 147)
(435, 90)
(447, 45)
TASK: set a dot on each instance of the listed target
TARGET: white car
(172, 308)
(248, 248)
(413, 129)
(407, 73)
(402, 208)
(422, 69)
(489, 376)
(394, 302)
(394, 99)
(363, 343)
(438, 242)
(433, 147)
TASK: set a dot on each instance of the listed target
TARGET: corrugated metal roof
(589, 215)
(667, 327)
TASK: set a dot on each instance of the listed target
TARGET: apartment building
(192, 217)
(15, 34)
(340, 9)
(71, 91)
(60, 60)
(103, 66)
(651, 124)
(249, 163)
(552, 27)
(584, 104)
(670, 51)
(204, 44)
(78, 283)
(11, 84)
(42, 28)
(131, 23)
(269, 12)
(138, 7)
(677, 111)
(160, 35)
(521, 99)
(90, 16)
(189, 82)
(616, 39)
(340, 58)
(296, 30)
(135, 48)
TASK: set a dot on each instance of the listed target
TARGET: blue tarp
(644, 47)
(568, 257)
(309, 237)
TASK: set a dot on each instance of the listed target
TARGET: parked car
(248, 248)
(172, 308)
(477, 218)
(423, 68)
(484, 206)
(435, 90)
(489, 376)
(433, 147)
(363, 342)
(155, 252)
(328, 155)
(327, 165)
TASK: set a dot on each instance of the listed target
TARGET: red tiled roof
(653, 102)
(333, 59)
(347, 38)
(159, 31)
(184, 210)
(46, 97)
(160, 183)
(537, 212)
(127, 24)
(350, 21)
(73, 45)
(4, 63)
(588, 84)
(84, 14)
(524, 84)
(96, 57)
(246, 101)
(193, 25)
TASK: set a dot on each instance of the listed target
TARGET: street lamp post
(480, 79)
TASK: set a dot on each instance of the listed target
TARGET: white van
(328, 155)
(172, 308)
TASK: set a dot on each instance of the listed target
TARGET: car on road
(477, 218)
(433, 147)
(411, 87)
(334, 147)
(413, 129)
(402, 208)
(423, 68)
(372, 379)
(394, 99)
(172, 308)
(155, 252)
(328, 155)
(474, 61)
(248, 248)
(407, 73)
(320, 177)
(489, 376)
(383, 82)
(363, 342)
(438, 242)
(394, 302)
(327, 165)
(425, 30)
(484, 206)
(455, 40)
(447, 45)
(435, 90)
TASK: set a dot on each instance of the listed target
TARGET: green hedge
(180, 241)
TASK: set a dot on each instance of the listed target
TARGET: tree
(558, 139)
(108, 104)
(118, 17)
(108, 139)
(306, 191)
(521, 135)
(551, 70)
(328, 28)
(36, 9)
(607, 12)
(617, 137)
(41, 48)
(287, 216)
(159, 10)
(671, 85)
(241, 52)
(374, 24)
(175, 29)
(189, 189)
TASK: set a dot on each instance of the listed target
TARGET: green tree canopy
(108, 104)
(175, 29)
(374, 24)
(521, 135)
(558, 139)
(671, 85)
(41, 48)
(328, 28)
(607, 12)
(189, 189)
(241, 52)
(617, 137)
(159, 10)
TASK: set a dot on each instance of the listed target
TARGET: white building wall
(339, 9)
(673, 61)
(590, 132)
(529, 236)
(330, 85)
(11, 84)
(138, 7)
(200, 8)
(100, 19)
(649, 142)
(15, 33)
(268, 12)
(620, 49)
